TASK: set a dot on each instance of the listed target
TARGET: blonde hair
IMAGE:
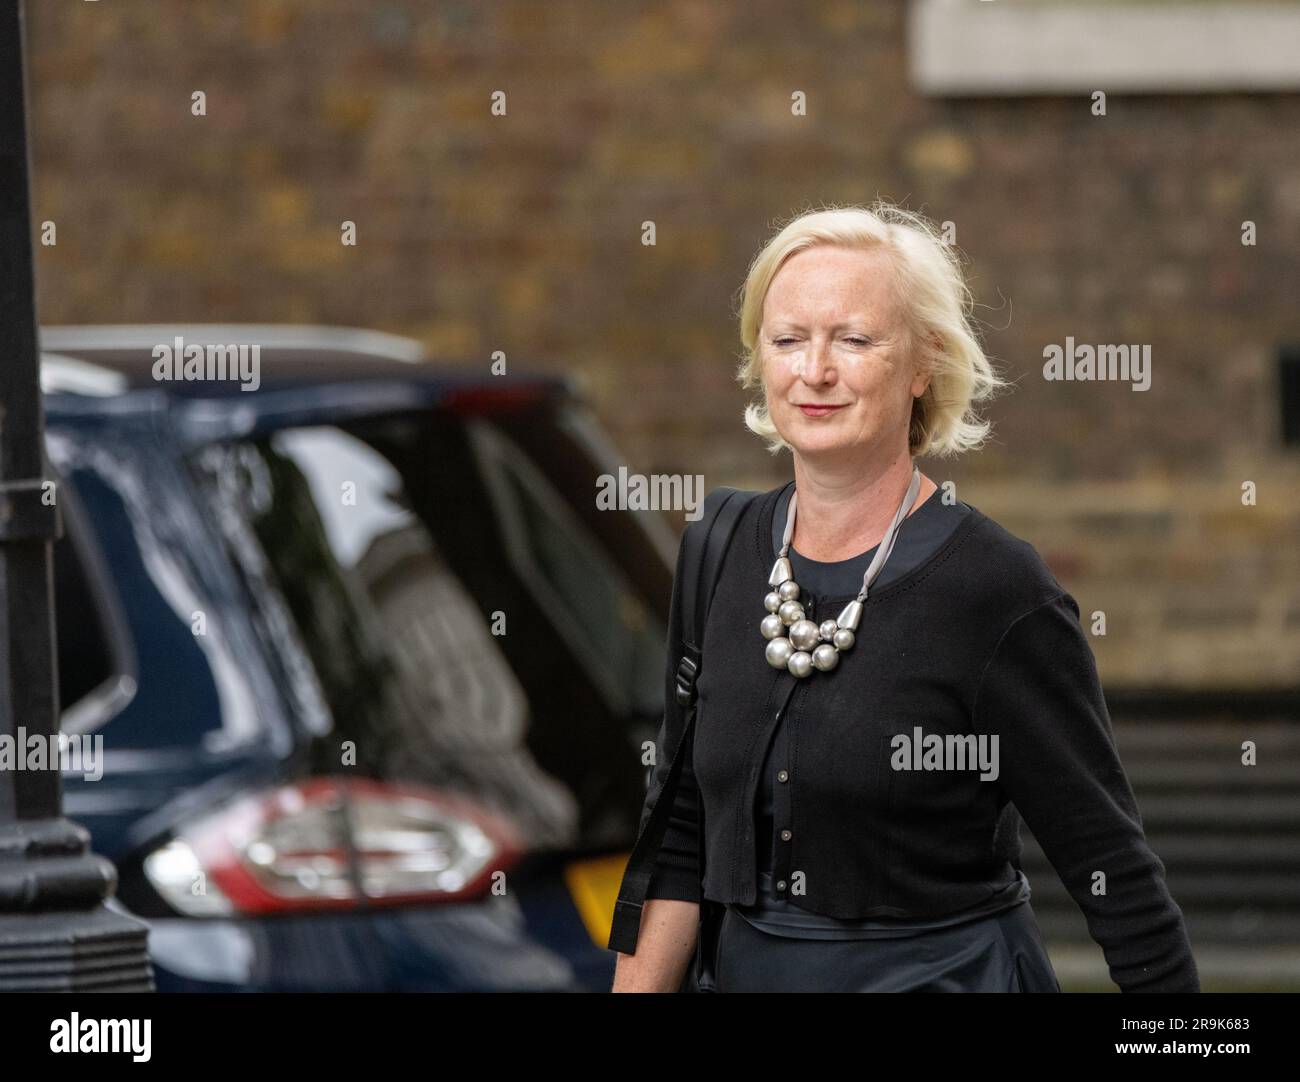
(936, 300)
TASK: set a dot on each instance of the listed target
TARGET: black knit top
(975, 653)
(920, 535)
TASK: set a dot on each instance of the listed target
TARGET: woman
(890, 680)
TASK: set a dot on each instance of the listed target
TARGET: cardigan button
(783, 775)
(780, 885)
(786, 835)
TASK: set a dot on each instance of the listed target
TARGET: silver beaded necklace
(807, 646)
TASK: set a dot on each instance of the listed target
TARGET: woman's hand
(665, 946)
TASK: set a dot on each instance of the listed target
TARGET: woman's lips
(819, 411)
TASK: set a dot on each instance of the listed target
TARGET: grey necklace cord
(886, 545)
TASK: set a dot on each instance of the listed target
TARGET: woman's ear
(925, 368)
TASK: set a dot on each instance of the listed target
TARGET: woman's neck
(844, 511)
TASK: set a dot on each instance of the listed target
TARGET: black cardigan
(980, 639)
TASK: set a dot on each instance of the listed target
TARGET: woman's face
(836, 355)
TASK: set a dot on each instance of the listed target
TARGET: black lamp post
(56, 932)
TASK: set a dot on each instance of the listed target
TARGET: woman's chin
(820, 445)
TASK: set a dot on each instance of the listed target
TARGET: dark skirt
(1002, 952)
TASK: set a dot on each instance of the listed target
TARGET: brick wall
(523, 233)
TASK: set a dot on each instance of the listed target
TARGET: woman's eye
(856, 340)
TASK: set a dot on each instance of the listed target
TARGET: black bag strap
(706, 548)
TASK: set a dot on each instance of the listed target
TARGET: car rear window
(440, 601)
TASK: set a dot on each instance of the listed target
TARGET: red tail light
(333, 843)
(477, 400)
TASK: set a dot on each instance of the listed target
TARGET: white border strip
(1021, 47)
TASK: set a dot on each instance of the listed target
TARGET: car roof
(106, 360)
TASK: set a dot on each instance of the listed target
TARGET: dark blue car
(371, 669)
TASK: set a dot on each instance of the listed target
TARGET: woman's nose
(818, 367)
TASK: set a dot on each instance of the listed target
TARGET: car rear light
(331, 843)
(476, 400)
